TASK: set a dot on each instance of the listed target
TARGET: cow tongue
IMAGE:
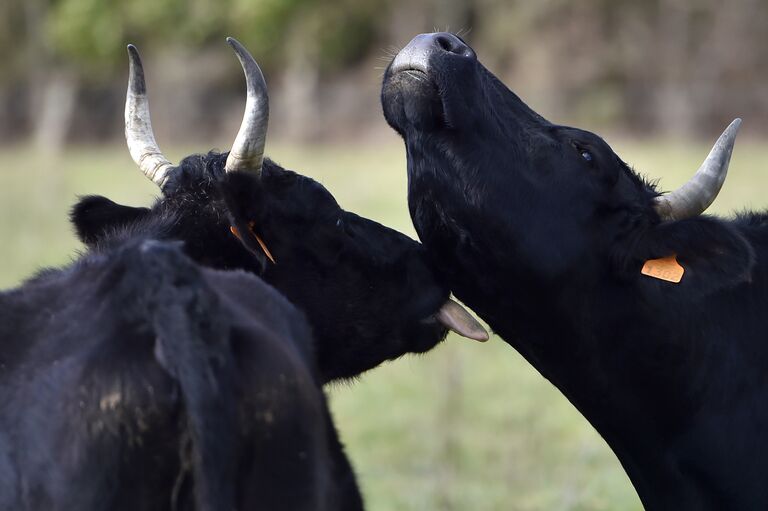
(456, 318)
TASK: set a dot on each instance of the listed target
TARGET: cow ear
(242, 193)
(712, 253)
(95, 215)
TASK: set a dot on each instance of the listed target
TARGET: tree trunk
(675, 115)
(300, 87)
(56, 106)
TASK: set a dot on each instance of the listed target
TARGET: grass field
(466, 427)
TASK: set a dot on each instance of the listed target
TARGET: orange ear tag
(263, 245)
(666, 268)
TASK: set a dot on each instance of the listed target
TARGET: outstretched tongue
(456, 318)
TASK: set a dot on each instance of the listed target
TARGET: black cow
(546, 233)
(137, 379)
(366, 289)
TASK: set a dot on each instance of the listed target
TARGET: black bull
(135, 379)
(544, 231)
(69, 440)
(366, 289)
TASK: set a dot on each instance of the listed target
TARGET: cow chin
(411, 100)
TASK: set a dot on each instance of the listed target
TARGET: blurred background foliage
(657, 67)
(468, 426)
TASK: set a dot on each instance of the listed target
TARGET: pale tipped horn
(695, 196)
(138, 127)
(247, 152)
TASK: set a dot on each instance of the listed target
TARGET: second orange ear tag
(263, 245)
(666, 268)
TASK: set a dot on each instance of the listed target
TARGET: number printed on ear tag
(666, 268)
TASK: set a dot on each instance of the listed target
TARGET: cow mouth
(457, 319)
(413, 92)
(447, 314)
(411, 67)
(418, 74)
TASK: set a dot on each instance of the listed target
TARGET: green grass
(466, 427)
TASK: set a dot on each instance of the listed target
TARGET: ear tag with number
(666, 268)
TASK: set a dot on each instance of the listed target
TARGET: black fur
(366, 289)
(136, 379)
(547, 243)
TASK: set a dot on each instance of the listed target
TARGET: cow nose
(451, 44)
(417, 54)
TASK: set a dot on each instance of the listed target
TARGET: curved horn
(700, 191)
(247, 152)
(138, 127)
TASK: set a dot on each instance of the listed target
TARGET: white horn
(695, 196)
(138, 127)
(247, 152)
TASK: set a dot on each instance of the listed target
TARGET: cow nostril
(444, 43)
(452, 44)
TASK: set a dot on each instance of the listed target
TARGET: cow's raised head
(488, 174)
(366, 289)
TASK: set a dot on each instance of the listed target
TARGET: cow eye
(344, 227)
(583, 152)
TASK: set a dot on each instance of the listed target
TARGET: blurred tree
(662, 66)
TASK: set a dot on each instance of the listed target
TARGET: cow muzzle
(418, 55)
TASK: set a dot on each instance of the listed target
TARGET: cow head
(366, 289)
(489, 176)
